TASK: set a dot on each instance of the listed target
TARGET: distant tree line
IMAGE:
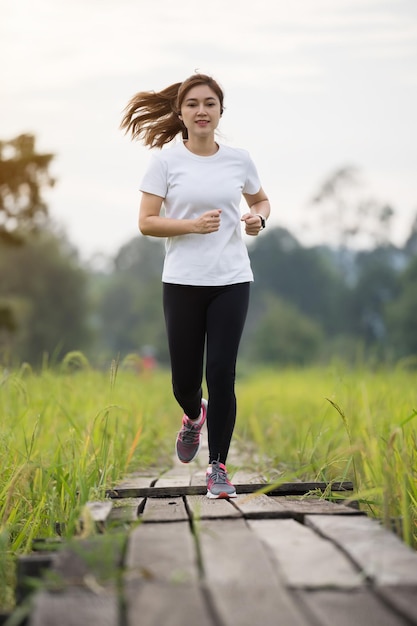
(308, 304)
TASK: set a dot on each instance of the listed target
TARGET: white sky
(310, 86)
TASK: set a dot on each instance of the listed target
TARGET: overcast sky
(310, 86)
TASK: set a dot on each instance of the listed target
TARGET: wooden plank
(243, 585)
(164, 510)
(381, 555)
(156, 603)
(97, 513)
(126, 511)
(133, 481)
(201, 507)
(178, 469)
(173, 481)
(29, 568)
(75, 606)
(137, 481)
(81, 572)
(162, 552)
(156, 492)
(96, 560)
(244, 476)
(344, 608)
(254, 507)
(298, 507)
(403, 599)
(304, 558)
(198, 477)
(284, 489)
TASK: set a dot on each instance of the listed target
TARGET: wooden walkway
(169, 556)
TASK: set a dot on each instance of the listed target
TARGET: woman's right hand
(208, 222)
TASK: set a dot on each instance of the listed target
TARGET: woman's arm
(259, 205)
(152, 223)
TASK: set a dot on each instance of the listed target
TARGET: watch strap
(263, 220)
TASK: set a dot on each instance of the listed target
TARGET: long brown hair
(152, 117)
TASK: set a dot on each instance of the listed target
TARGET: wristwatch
(263, 220)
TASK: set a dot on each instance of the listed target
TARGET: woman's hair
(152, 117)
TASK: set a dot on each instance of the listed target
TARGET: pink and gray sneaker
(218, 484)
(188, 441)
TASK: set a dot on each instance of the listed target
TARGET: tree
(284, 335)
(23, 176)
(307, 277)
(43, 297)
(349, 214)
(130, 305)
(377, 284)
(401, 315)
(411, 243)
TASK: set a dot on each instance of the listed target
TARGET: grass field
(339, 424)
(68, 435)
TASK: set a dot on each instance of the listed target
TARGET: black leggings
(194, 315)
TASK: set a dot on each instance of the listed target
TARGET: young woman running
(191, 195)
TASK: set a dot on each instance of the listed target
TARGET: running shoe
(218, 484)
(189, 438)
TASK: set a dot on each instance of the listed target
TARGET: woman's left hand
(252, 223)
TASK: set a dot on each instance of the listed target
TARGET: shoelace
(218, 476)
(190, 433)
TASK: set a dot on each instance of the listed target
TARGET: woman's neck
(201, 147)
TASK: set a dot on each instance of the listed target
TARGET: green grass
(338, 424)
(67, 435)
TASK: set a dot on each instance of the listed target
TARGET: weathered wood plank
(381, 555)
(298, 507)
(241, 580)
(75, 606)
(245, 476)
(285, 489)
(135, 504)
(164, 510)
(137, 481)
(162, 552)
(97, 513)
(198, 478)
(81, 562)
(173, 481)
(82, 589)
(254, 507)
(403, 599)
(29, 568)
(304, 558)
(126, 510)
(156, 603)
(344, 608)
(202, 507)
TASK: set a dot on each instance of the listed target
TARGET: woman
(191, 194)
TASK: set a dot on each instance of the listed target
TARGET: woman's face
(200, 111)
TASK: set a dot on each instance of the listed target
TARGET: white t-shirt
(191, 185)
